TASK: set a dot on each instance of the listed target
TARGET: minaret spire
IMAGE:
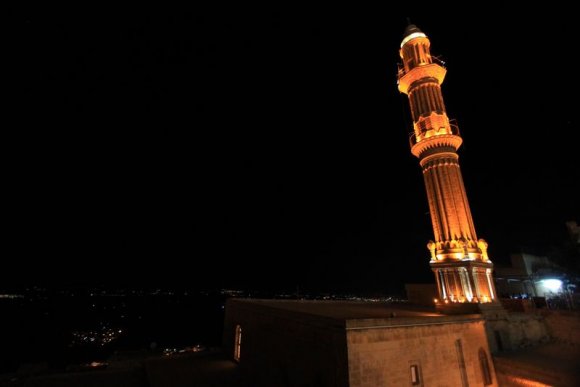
(458, 259)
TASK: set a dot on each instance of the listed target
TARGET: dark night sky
(268, 148)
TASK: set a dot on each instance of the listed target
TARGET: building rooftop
(356, 314)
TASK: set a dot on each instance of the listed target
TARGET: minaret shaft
(448, 204)
(425, 99)
(459, 260)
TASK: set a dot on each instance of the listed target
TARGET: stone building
(529, 276)
(340, 343)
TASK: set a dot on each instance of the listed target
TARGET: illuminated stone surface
(459, 259)
(345, 343)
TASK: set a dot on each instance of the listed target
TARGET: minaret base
(465, 281)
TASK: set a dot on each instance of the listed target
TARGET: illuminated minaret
(459, 260)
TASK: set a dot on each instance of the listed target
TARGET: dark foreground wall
(121, 378)
(282, 348)
(563, 326)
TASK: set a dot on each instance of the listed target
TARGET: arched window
(484, 367)
(238, 343)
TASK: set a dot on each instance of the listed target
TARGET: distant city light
(11, 296)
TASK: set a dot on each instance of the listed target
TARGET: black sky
(268, 148)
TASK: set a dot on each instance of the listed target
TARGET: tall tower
(459, 260)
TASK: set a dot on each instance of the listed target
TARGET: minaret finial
(411, 31)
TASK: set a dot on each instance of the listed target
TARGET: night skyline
(235, 138)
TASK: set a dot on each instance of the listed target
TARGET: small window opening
(415, 378)
(238, 343)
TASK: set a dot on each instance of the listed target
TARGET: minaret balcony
(433, 138)
(431, 70)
